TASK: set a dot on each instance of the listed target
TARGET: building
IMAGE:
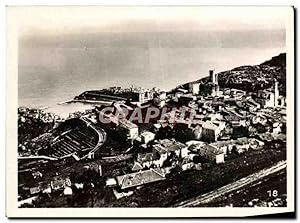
(194, 142)
(60, 183)
(266, 98)
(210, 131)
(186, 99)
(235, 121)
(269, 97)
(68, 191)
(137, 166)
(165, 147)
(187, 164)
(125, 126)
(144, 95)
(225, 146)
(146, 160)
(197, 131)
(120, 195)
(157, 101)
(276, 93)
(162, 95)
(252, 105)
(255, 143)
(281, 101)
(194, 88)
(215, 116)
(140, 178)
(237, 93)
(215, 85)
(130, 129)
(110, 182)
(97, 167)
(209, 152)
(277, 127)
(34, 190)
(240, 145)
(147, 136)
(259, 118)
(156, 127)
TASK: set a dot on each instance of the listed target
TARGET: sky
(65, 50)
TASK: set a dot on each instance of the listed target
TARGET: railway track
(205, 198)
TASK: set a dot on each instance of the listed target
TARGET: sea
(50, 75)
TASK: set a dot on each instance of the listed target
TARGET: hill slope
(253, 78)
(277, 61)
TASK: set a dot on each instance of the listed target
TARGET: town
(149, 147)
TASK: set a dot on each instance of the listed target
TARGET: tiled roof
(209, 125)
(167, 145)
(144, 157)
(127, 124)
(140, 178)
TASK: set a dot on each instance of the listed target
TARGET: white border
(11, 167)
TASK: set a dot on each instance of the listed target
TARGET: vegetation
(185, 185)
(250, 78)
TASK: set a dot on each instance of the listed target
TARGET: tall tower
(216, 78)
(217, 84)
(217, 89)
(214, 82)
(276, 93)
(212, 76)
(211, 82)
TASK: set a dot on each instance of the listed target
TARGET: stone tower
(276, 93)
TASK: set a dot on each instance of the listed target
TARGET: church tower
(214, 82)
(276, 93)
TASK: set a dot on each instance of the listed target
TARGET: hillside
(277, 61)
(252, 78)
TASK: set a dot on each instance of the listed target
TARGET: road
(205, 198)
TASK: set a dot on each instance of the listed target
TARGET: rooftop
(205, 149)
(144, 157)
(140, 178)
(168, 145)
(127, 124)
(209, 125)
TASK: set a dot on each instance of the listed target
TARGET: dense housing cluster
(144, 136)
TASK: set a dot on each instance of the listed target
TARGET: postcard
(150, 112)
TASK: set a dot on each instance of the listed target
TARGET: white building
(269, 97)
(194, 88)
(131, 129)
(68, 191)
(165, 147)
(147, 136)
(211, 130)
(145, 95)
(277, 126)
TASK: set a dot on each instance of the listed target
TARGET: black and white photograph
(150, 111)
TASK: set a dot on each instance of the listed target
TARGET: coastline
(84, 102)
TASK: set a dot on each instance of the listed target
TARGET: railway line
(207, 197)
